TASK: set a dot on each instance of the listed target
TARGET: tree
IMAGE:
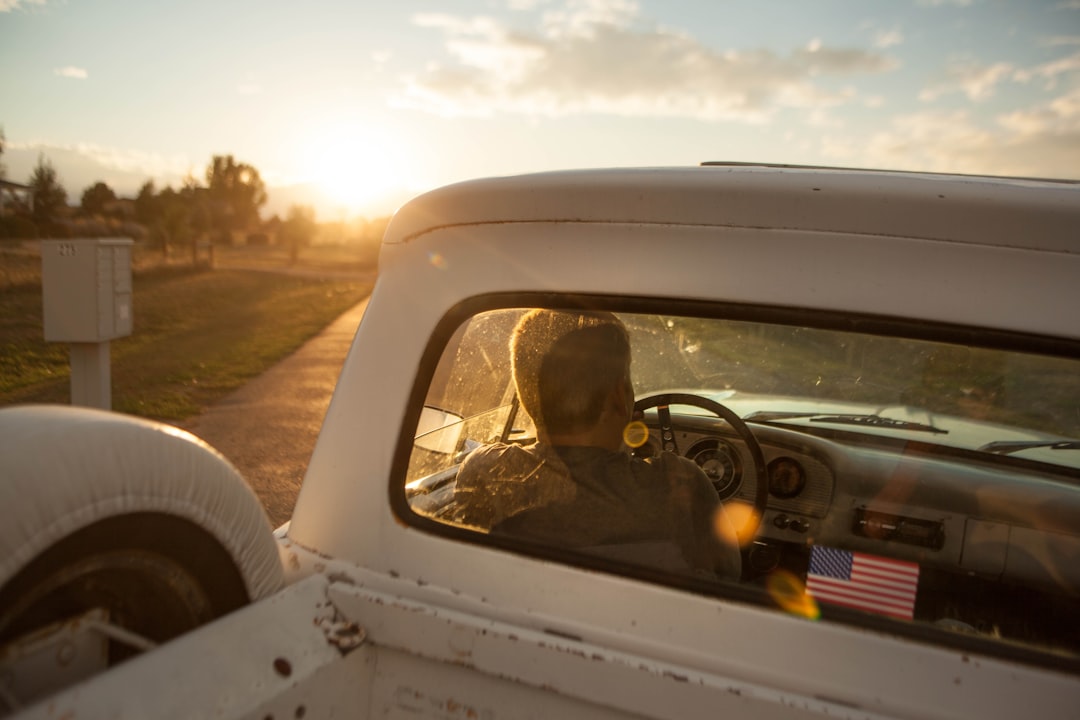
(235, 192)
(3, 168)
(175, 216)
(96, 198)
(48, 194)
(197, 201)
(272, 227)
(146, 209)
(298, 229)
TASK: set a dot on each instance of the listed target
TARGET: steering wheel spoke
(663, 403)
(667, 432)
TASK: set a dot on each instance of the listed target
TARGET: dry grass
(198, 334)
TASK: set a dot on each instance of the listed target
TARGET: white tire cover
(63, 468)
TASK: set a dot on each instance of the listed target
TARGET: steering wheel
(663, 403)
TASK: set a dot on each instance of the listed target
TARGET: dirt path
(268, 428)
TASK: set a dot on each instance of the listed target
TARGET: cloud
(134, 161)
(1059, 117)
(81, 165)
(979, 82)
(581, 17)
(523, 4)
(598, 56)
(9, 5)
(976, 81)
(75, 73)
(1051, 71)
(1059, 40)
(1042, 141)
(888, 38)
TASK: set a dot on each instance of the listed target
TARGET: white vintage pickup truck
(878, 373)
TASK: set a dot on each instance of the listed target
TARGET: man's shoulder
(501, 479)
(500, 452)
(679, 472)
(672, 466)
(509, 460)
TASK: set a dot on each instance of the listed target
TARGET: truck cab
(876, 373)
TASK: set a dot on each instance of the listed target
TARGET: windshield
(996, 401)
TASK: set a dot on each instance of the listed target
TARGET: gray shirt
(593, 498)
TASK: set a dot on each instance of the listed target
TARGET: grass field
(198, 333)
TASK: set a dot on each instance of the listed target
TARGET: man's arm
(715, 541)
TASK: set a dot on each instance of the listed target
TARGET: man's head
(571, 369)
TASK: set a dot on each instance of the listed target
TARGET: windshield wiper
(1006, 447)
(876, 421)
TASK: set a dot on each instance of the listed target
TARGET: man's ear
(616, 398)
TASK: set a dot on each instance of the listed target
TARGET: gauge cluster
(799, 483)
(721, 462)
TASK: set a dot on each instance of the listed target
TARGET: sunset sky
(373, 102)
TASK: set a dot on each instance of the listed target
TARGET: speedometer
(720, 462)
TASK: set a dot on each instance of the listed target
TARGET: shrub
(17, 227)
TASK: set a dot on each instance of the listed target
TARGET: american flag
(861, 581)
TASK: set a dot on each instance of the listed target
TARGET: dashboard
(987, 532)
(991, 535)
(801, 482)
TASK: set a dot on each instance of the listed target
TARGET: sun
(355, 167)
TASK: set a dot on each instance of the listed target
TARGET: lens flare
(635, 434)
(437, 260)
(723, 529)
(743, 520)
(790, 594)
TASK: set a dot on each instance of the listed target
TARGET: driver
(576, 487)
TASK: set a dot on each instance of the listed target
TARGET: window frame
(886, 326)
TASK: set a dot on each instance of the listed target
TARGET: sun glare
(353, 166)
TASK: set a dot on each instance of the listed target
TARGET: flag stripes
(864, 582)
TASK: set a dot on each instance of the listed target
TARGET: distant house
(13, 195)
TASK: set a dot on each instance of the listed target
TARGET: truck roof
(1009, 212)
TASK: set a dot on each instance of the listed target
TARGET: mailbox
(86, 289)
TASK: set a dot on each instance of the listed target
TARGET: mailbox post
(86, 298)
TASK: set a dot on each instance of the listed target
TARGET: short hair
(565, 363)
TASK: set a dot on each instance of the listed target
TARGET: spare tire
(146, 521)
